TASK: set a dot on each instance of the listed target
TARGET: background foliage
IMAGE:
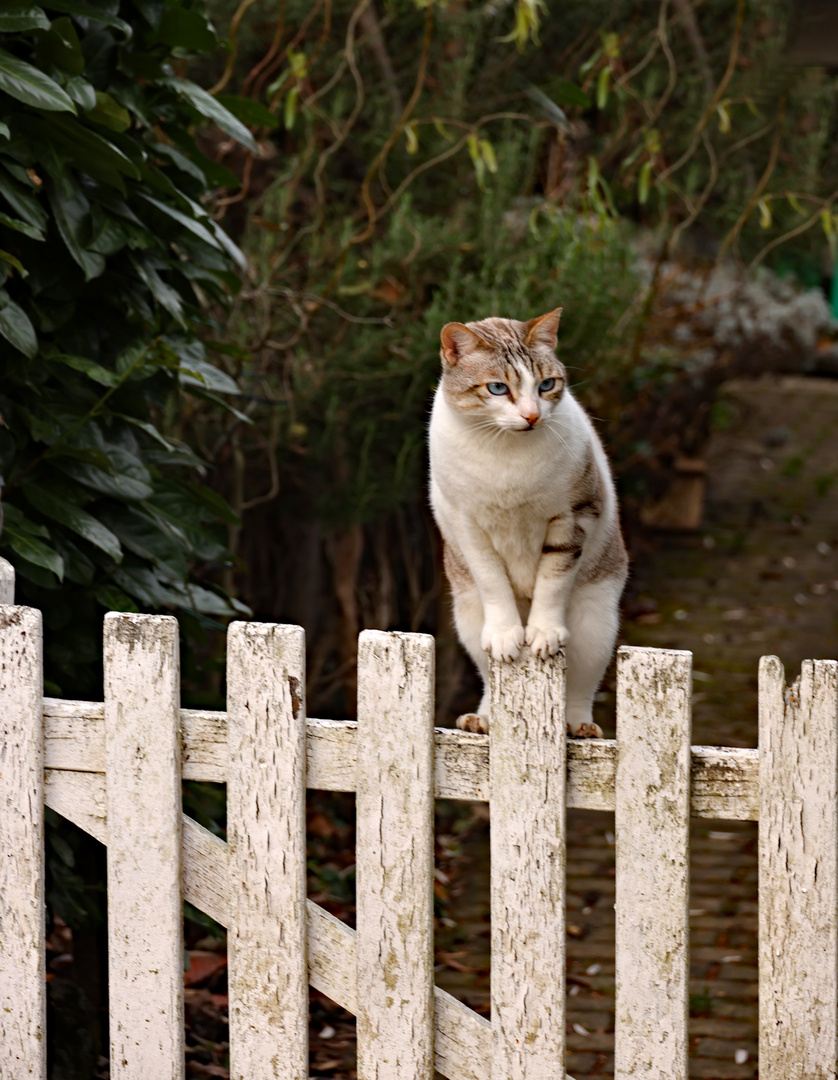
(110, 259)
(456, 160)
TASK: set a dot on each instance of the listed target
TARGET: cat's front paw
(546, 640)
(471, 721)
(503, 642)
(584, 729)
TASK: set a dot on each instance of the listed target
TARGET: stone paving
(761, 577)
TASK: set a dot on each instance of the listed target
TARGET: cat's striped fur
(523, 495)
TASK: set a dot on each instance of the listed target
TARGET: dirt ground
(760, 577)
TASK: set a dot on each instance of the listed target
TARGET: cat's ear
(544, 330)
(457, 341)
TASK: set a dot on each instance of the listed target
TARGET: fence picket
(7, 582)
(652, 887)
(527, 770)
(798, 872)
(395, 852)
(22, 929)
(266, 799)
(145, 910)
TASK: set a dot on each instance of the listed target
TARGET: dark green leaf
(164, 294)
(119, 485)
(13, 517)
(7, 257)
(188, 30)
(200, 373)
(19, 17)
(29, 85)
(80, 521)
(16, 327)
(113, 599)
(108, 113)
(21, 227)
(72, 216)
(81, 92)
(90, 368)
(252, 113)
(37, 574)
(36, 551)
(207, 106)
(86, 149)
(23, 203)
(59, 48)
(91, 11)
(195, 227)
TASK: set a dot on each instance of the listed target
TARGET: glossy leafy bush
(109, 261)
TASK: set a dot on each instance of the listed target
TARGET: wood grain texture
(654, 688)
(798, 872)
(527, 765)
(724, 779)
(266, 800)
(462, 1045)
(395, 856)
(145, 910)
(22, 924)
(7, 582)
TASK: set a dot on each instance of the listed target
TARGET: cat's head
(503, 372)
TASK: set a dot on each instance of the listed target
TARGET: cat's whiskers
(563, 441)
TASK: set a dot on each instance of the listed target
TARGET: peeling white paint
(527, 766)
(143, 796)
(395, 857)
(798, 872)
(652, 885)
(266, 803)
(22, 924)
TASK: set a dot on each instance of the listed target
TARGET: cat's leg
(468, 618)
(593, 618)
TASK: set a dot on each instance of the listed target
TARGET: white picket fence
(115, 769)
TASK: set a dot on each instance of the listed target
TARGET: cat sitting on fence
(523, 496)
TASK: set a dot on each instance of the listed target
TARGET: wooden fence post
(798, 872)
(145, 910)
(654, 688)
(527, 777)
(7, 582)
(395, 856)
(266, 805)
(22, 923)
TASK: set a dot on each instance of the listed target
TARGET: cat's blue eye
(548, 384)
(497, 388)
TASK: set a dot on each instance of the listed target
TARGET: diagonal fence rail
(115, 768)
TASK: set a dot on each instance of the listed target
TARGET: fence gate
(115, 769)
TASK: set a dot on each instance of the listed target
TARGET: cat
(523, 496)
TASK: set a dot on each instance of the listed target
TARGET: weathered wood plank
(145, 910)
(798, 872)
(395, 856)
(266, 834)
(724, 779)
(7, 583)
(654, 688)
(462, 1045)
(527, 733)
(22, 924)
(80, 798)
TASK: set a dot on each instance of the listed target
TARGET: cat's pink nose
(531, 417)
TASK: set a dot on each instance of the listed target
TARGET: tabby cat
(523, 496)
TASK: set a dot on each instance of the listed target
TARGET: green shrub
(108, 262)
